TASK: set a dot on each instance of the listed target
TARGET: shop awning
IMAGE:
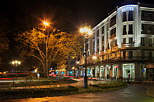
(149, 66)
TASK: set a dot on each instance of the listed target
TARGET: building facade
(124, 45)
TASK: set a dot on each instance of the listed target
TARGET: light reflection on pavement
(133, 93)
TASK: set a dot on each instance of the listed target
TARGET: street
(133, 93)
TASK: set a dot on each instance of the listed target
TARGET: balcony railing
(133, 58)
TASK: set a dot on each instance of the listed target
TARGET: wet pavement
(133, 93)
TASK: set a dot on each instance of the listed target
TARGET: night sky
(65, 14)
(17, 16)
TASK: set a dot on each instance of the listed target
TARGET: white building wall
(100, 39)
(119, 33)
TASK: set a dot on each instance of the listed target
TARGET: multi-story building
(124, 44)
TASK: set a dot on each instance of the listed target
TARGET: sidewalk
(150, 88)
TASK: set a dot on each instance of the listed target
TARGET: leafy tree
(48, 46)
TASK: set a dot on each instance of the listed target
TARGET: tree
(48, 46)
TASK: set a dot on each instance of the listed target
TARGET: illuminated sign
(127, 9)
(116, 66)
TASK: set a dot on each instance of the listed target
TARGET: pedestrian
(128, 79)
(108, 76)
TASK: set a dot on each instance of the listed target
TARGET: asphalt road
(133, 93)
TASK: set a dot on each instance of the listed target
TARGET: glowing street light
(45, 23)
(77, 62)
(15, 62)
(94, 57)
(87, 33)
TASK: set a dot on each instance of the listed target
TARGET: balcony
(114, 49)
(130, 59)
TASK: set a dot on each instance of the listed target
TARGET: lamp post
(46, 24)
(77, 70)
(86, 32)
(73, 71)
(16, 63)
(94, 58)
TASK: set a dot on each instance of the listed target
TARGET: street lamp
(77, 71)
(16, 63)
(94, 57)
(77, 62)
(87, 33)
(46, 23)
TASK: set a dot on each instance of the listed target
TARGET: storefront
(115, 69)
(102, 72)
(107, 71)
(128, 71)
(150, 72)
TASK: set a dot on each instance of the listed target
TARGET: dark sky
(65, 13)
(17, 16)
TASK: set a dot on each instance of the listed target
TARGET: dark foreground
(133, 93)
